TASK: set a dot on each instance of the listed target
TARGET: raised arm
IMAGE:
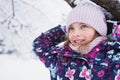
(45, 45)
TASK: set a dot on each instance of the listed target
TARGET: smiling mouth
(78, 41)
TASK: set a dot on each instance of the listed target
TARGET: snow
(14, 68)
(17, 32)
(31, 17)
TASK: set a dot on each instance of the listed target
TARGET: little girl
(87, 53)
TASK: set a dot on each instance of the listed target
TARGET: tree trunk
(71, 3)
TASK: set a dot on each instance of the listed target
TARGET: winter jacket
(101, 63)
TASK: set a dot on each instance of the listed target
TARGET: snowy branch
(11, 20)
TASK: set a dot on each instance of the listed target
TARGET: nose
(77, 33)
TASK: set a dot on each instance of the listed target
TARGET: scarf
(89, 47)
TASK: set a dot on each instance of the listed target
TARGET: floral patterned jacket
(101, 63)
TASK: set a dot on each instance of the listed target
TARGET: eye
(83, 26)
(71, 28)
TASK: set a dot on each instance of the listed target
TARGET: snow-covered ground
(16, 68)
(18, 30)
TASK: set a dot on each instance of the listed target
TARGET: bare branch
(13, 7)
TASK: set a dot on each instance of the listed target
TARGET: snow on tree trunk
(112, 6)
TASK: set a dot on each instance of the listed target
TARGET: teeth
(78, 41)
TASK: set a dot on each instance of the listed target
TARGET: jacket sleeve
(113, 55)
(45, 45)
(114, 51)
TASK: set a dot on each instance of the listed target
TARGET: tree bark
(71, 3)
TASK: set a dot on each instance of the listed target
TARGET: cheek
(90, 35)
(69, 35)
(69, 38)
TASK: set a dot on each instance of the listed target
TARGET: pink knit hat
(89, 14)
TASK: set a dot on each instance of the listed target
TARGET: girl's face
(81, 34)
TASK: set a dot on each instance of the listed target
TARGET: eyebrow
(83, 23)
